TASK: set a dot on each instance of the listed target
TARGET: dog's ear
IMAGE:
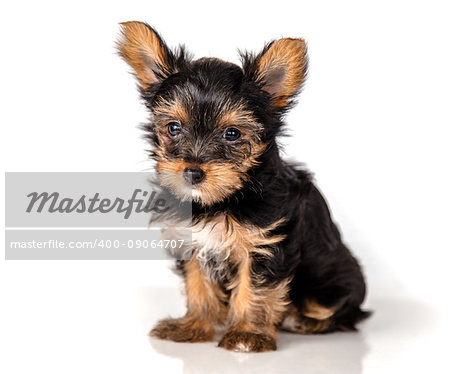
(145, 51)
(280, 69)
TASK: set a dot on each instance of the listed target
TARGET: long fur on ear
(147, 53)
(280, 69)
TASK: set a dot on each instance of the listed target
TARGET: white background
(372, 123)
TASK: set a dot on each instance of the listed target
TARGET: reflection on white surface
(337, 353)
(91, 325)
(385, 343)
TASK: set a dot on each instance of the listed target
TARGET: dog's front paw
(183, 330)
(241, 341)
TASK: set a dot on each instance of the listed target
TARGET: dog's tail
(348, 317)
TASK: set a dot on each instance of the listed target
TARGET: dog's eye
(231, 134)
(173, 128)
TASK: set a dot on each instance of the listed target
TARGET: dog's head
(211, 120)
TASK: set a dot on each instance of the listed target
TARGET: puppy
(266, 253)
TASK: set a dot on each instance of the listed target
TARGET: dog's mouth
(206, 183)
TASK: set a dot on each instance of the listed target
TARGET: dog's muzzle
(193, 175)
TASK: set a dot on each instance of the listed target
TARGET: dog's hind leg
(313, 318)
(316, 319)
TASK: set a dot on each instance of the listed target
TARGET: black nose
(193, 175)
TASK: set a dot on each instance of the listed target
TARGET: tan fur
(285, 57)
(314, 310)
(297, 321)
(253, 311)
(252, 307)
(171, 175)
(169, 110)
(142, 50)
(171, 166)
(205, 308)
(313, 326)
(185, 329)
(242, 240)
(250, 302)
(237, 116)
(221, 180)
(203, 296)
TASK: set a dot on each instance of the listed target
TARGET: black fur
(312, 253)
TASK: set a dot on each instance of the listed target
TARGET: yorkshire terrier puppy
(266, 253)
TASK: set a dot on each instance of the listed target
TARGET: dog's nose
(193, 175)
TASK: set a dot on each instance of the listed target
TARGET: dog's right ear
(145, 51)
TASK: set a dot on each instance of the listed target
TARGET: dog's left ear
(280, 70)
(146, 52)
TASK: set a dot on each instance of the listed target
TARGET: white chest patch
(211, 242)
